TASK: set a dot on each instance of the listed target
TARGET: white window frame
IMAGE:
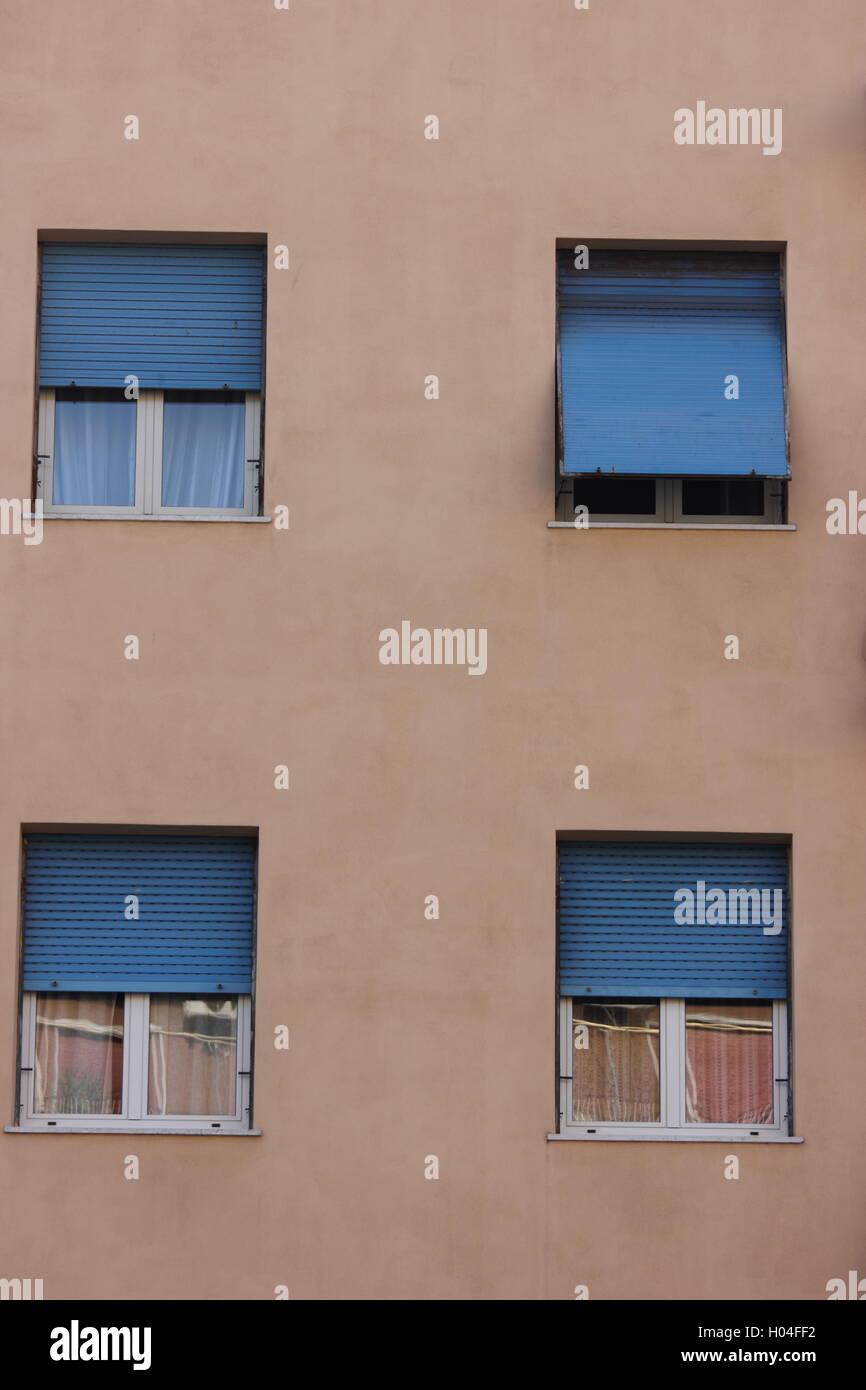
(668, 506)
(148, 464)
(135, 1073)
(672, 1124)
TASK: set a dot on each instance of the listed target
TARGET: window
(671, 387)
(150, 373)
(137, 968)
(737, 501)
(673, 963)
(680, 1065)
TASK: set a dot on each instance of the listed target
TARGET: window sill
(730, 1139)
(112, 516)
(132, 1129)
(669, 526)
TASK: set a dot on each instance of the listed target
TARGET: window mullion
(155, 466)
(149, 452)
(27, 1095)
(675, 500)
(142, 415)
(126, 1098)
(136, 1055)
(673, 1014)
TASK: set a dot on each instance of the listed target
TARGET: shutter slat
(646, 340)
(177, 317)
(195, 925)
(618, 935)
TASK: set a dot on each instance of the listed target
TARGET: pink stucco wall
(411, 257)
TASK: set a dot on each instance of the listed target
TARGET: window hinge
(257, 481)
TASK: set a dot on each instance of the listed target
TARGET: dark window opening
(629, 496)
(723, 497)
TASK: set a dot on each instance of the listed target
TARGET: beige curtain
(78, 1068)
(615, 1062)
(729, 1063)
(193, 1056)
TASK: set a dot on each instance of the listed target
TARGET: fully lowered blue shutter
(619, 937)
(647, 344)
(194, 931)
(177, 317)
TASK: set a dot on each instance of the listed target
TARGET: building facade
(433, 696)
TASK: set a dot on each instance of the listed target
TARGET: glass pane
(737, 497)
(203, 449)
(78, 1069)
(615, 1050)
(193, 1056)
(729, 1063)
(94, 449)
(631, 496)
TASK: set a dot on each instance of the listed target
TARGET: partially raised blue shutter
(618, 935)
(176, 317)
(194, 931)
(647, 342)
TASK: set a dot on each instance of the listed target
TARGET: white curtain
(94, 453)
(203, 452)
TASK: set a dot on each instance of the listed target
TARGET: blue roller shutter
(646, 341)
(195, 913)
(177, 317)
(618, 935)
